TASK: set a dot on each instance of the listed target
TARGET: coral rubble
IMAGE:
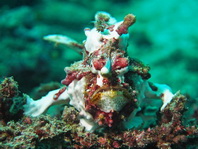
(48, 132)
(11, 102)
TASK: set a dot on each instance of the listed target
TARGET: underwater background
(165, 36)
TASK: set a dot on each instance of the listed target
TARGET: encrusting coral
(105, 94)
(11, 102)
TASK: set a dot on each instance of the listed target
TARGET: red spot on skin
(123, 29)
(116, 144)
(135, 100)
(110, 121)
(73, 75)
(59, 93)
(110, 114)
(80, 75)
(110, 125)
(102, 141)
(98, 63)
(106, 119)
(111, 28)
(120, 62)
(105, 81)
(97, 52)
(125, 84)
(69, 78)
(149, 129)
(100, 123)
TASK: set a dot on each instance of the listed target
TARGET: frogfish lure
(107, 87)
